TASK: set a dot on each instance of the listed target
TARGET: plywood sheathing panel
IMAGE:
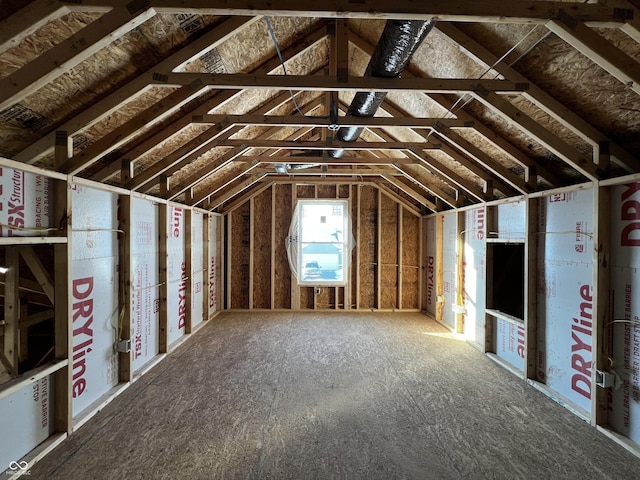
(586, 88)
(43, 39)
(306, 298)
(282, 271)
(262, 250)
(306, 191)
(327, 191)
(410, 260)
(239, 253)
(368, 246)
(388, 253)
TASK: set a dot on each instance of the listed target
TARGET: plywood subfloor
(344, 396)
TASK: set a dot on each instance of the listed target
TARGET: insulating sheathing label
(197, 268)
(177, 275)
(95, 281)
(624, 402)
(474, 266)
(26, 419)
(145, 282)
(24, 203)
(510, 343)
(565, 295)
(449, 266)
(430, 262)
(213, 267)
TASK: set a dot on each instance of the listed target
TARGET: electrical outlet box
(605, 379)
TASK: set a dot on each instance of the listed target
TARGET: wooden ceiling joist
(410, 191)
(329, 83)
(493, 11)
(330, 144)
(342, 121)
(232, 192)
(72, 51)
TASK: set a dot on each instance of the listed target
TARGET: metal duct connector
(398, 42)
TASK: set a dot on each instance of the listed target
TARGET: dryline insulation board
(213, 261)
(24, 203)
(565, 273)
(95, 280)
(197, 268)
(145, 282)
(177, 275)
(509, 224)
(474, 264)
(449, 232)
(26, 420)
(430, 262)
(624, 414)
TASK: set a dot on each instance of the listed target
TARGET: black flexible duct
(398, 42)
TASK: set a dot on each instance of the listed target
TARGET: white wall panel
(24, 202)
(96, 309)
(197, 268)
(475, 274)
(430, 262)
(177, 275)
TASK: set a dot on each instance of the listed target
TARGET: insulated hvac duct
(398, 42)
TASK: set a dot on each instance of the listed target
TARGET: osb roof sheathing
(547, 61)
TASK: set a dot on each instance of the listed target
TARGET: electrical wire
(284, 68)
(452, 110)
(28, 229)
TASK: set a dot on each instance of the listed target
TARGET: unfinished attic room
(346, 239)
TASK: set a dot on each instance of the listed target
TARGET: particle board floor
(333, 396)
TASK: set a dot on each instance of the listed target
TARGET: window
(320, 242)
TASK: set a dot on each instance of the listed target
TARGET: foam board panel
(26, 419)
(509, 343)
(145, 280)
(177, 275)
(565, 272)
(24, 202)
(197, 268)
(474, 274)
(624, 412)
(213, 263)
(510, 220)
(430, 262)
(449, 264)
(95, 280)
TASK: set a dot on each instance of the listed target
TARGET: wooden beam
(148, 176)
(326, 160)
(188, 260)
(229, 194)
(223, 182)
(135, 87)
(601, 299)
(252, 242)
(525, 11)
(249, 192)
(513, 115)
(343, 121)
(597, 49)
(439, 266)
(330, 144)
(245, 81)
(63, 281)
(531, 289)
(163, 257)
(72, 51)
(409, 191)
(384, 189)
(39, 272)
(539, 97)
(487, 161)
(129, 129)
(427, 185)
(399, 243)
(10, 351)
(460, 263)
(125, 224)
